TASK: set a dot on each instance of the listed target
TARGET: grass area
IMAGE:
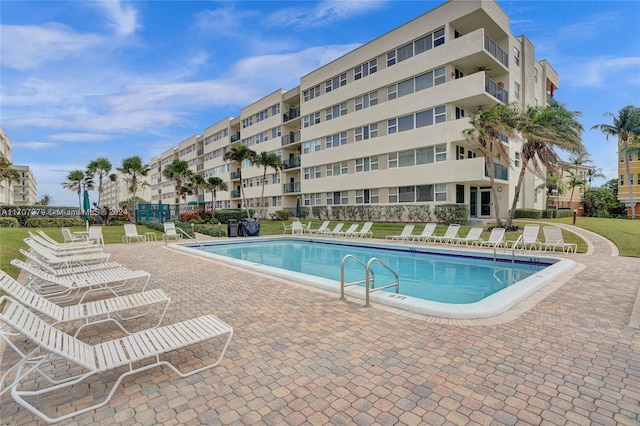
(624, 233)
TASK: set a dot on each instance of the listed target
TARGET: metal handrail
(513, 249)
(396, 283)
(342, 284)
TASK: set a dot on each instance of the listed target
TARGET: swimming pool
(445, 282)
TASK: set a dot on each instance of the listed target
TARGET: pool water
(445, 278)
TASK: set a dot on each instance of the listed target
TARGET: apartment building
(574, 181)
(25, 189)
(382, 126)
(633, 177)
(115, 193)
(6, 192)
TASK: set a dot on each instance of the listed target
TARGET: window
(392, 160)
(423, 44)
(535, 77)
(311, 119)
(312, 173)
(337, 169)
(405, 52)
(366, 164)
(406, 194)
(439, 76)
(393, 195)
(424, 118)
(517, 160)
(336, 111)
(275, 109)
(516, 90)
(424, 193)
(311, 93)
(438, 37)
(460, 194)
(392, 126)
(336, 140)
(441, 192)
(405, 87)
(365, 69)
(459, 113)
(311, 146)
(441, 114)
(367, 196)
(366, 132)
(247, 122)
(338, 197)
(405, 123)
(365, 101)
(335, 82)
(407, 158)
(460, 152)
(441, 152)
(516, 56)
(621, 180)
(276, 132)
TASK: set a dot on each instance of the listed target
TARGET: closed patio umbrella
(86, 205)
(298, 209)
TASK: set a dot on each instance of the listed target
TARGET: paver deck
(301, 356)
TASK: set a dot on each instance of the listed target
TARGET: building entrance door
(485, 202)
(473, 202)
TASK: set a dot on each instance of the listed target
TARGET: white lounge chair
(496, 238)
(329, 232)
(70, 286)
(95, 235)
(348, 233)
(426, 233)
(297, 227)
(553, 239)
(405, 235)
(365, 231)
(321, 229)
(65, 261)
(473, 237)
(70, 237)
(117, 309)
(529, 238)
(170, 232)
(78, 243)
(136, 352)
(131, 233)
(60, 272)
(450, 234)
(62, 249)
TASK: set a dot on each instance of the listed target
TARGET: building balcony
(291, 163)
(235, 137)
(291, 188)
(235, 175)
(292, 137)
(495, 50)
(499, 172)
(235, 194)
(291, 114)
(494, 89)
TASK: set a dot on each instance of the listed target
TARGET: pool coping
(488, 307)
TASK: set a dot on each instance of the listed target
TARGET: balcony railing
(235, 175)
(291, 138)
(492, 88)
(291, 114)
(201, 151)
(235, 137)
(551, 101)
(291, 163)
(292, 187)
(235, 194)
(496, 51)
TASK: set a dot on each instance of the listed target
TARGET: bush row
(186, 227)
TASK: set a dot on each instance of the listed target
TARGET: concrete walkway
(302, 357)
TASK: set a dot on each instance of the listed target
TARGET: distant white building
(22, 192)
(115, 193)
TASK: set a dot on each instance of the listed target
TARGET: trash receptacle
(232, 228)
(249, 228)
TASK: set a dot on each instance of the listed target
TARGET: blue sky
(86, 79)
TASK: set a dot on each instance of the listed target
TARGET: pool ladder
(369, 277)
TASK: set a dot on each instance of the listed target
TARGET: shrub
(190, 216)
(281, 214)
(52, 222)
(527, 214)
(564, 213)
(9, 222)
(451, 213)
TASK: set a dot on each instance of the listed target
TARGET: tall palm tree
(76, 180)
(266, 160)
(45, 200)
(543, 130)
(178, 172)
(626, 127)
(485, 131)
(8, 173)
(195, 184)
(215, 184)
(554, 182)
(239, 154)
(575, 181)
(134, 170)
(593, 173)
(101, 167)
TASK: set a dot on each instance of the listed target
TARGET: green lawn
(624, 233)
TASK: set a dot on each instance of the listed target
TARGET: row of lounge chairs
(528, 240)
(325, 231)
(42, 319)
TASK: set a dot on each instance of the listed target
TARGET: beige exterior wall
(356, 112)
(6, 188)
(25, 190)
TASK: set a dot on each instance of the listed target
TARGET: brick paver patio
(301, 356)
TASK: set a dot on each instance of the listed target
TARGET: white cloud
(29, 46)
(587, 29)
(122, 18)
(34, 146)
(79, 137)
(601, 72)
(324, 13)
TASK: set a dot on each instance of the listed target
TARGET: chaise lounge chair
(529, 238)
(70, 286)
(321, 229)
(405, 235)
(61, 261)
(553, 239)
(426, 234)
(61, 272)
(91, 313)
(450, 234)
(348, 233)
(136, 352)
(61, 249)
(472, 237)
(365, 232)
(70, 237)
(82, 242)
(131, 234)
(329, 232)
(496, 238)
(170, 232)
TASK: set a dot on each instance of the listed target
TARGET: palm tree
(575, 181)
(575, 177)
(76, 180)
(238, 154)
(553, 182)
(215, 184)
(626, 126)
(593, 173)
(487, 126)
(134, 169)
(543, 130)
(8, 173)
(178, 172)
(196, 183)
(101, 167)
(266, 160)
(45, 200)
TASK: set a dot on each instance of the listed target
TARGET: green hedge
(528, 214)
(451, 213)
(50, 222)
(186, 227)
(9, 222)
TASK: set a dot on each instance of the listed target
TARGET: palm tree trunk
(516, 195)
(632, 203)
(494, 194)
(264, 176)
